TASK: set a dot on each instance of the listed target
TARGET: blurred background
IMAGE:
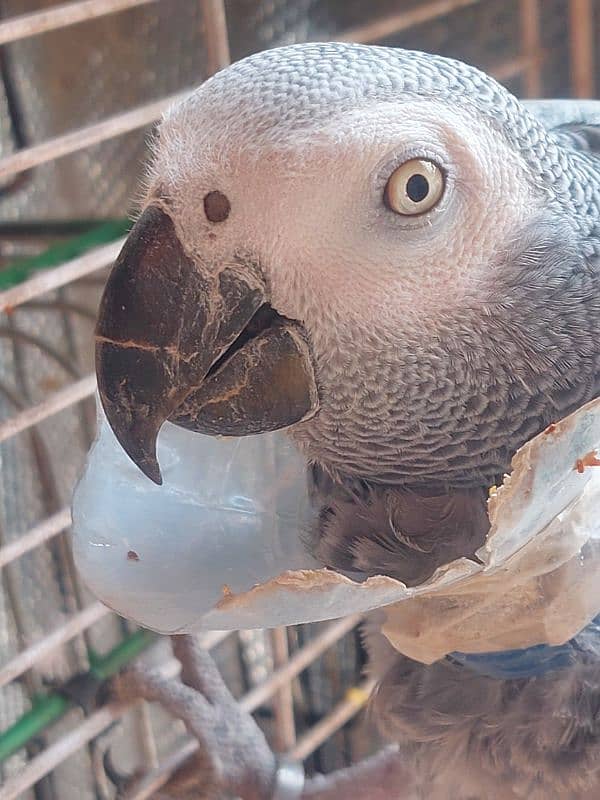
(81, 84)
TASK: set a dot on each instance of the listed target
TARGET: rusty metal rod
(355, 699)
(99, 721)
(29, 657)
(62, 16)
(61, 275)
(35, 536)
(399, 21)
(216, 39)
(581, 35)
(529, 12)
(283, 701)
(83, 137)
(58, 401)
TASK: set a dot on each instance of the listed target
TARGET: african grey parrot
(386, 253)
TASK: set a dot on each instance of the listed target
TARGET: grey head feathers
(302, 85)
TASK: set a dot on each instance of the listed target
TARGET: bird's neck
(450, 403)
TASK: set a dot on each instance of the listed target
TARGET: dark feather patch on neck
(398, 531)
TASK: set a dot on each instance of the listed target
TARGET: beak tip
(152, 471)
(145, 459)
(136, 435)
(146, 462)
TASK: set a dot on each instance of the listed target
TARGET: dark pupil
(417, 188)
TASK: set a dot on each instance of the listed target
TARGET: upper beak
(182, 339)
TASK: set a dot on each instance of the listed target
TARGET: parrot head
(380, 250)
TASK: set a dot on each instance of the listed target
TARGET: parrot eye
(414, 188)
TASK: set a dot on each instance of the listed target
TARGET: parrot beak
(194, 343)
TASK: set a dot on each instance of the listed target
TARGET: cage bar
(399, 21)
(355, 700)
(62, 16)
(283, 701)
(531, 44)
(28, 658)
(87, 136)
(36, 536)
(581, 33)
(57, 402)
(100, 720)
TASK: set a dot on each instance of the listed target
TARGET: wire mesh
(73, 134)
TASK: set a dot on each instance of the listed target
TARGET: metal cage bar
(87, 136)
(529, 12)
(528, 64)
(100, 720)
(581, 31)
(36, 536)
(62, 16)
(403, 20)
(28, 658)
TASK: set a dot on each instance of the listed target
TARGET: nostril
(216, 206)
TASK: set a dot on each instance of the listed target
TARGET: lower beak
(184, 340)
